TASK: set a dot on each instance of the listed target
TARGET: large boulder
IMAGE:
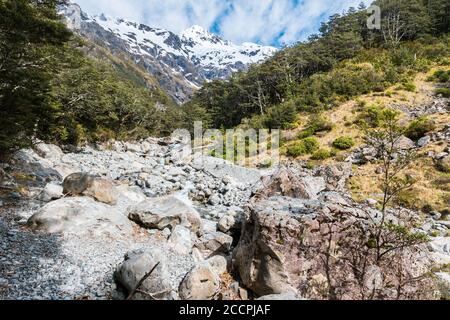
(169, 211)
(264, 255)
(335, 175)
(440, 248)
(80, 215)
(227, 222)
(220, 168)
(136, 266)
(76, 183)
(219, 264)
(48, 151)
(100, 189)
(201, 283)
(314, 249)
(404, 143)
(286, 183)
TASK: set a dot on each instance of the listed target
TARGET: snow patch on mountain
(182, 62)
(196, 44)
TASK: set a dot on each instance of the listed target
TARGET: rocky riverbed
(91, 223)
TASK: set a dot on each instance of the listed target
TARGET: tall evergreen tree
(30, 34)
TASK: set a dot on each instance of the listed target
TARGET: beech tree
(30, 32)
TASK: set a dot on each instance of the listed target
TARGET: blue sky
(269, 22)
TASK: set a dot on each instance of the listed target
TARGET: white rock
(219, 264)
(81, 216)
(226, 223)
(181, 240)
(49, 151)
(440, 248)
(129, 196)
(175, 171)
(51, 192)
(166, 233)
(165, 212)
(197, 255)
(220, 168)
(214, 200)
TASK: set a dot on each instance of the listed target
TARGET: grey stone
(443, 164)
(163, 212)
(216, 242)
(129, 196)
(220, 168)
(51, 192)
(48, 151)
(404, 143)
(201, 283)
(136, 266)
(181, 240)
(214, 200)
(81, 216)
(166, 232)
(423, 142)
(218, 263)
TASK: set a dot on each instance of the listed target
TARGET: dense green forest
(344, 60)
(58, 88)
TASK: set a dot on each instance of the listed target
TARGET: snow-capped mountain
(181, 62)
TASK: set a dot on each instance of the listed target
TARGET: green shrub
(444, 77)
(343, 143)
(371, 116)
(295, 150)
(281, 116)
(311, 144)
(323, 154)
(302, 147)
(441, 76)
(445, 92)
(316, 125)
(419, 128)
(409, 86)
(403, 57)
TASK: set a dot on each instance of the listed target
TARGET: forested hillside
(344, 60)
(57, 87)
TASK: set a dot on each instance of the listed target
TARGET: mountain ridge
(182, 63)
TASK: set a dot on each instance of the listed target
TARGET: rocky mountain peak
(201, 36)
(194, 31)
(181, 62)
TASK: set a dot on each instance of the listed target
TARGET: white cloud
(262, 21)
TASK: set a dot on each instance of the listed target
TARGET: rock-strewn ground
(38, 265)
(143, 202)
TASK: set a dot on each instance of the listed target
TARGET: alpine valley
(181, 63)
(100, 200)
